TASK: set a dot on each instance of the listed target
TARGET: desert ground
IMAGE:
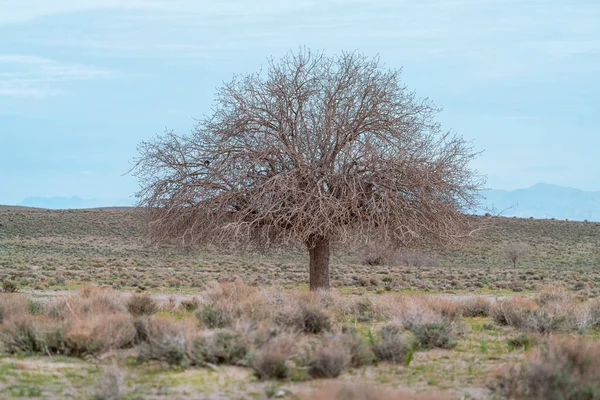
(90, 309)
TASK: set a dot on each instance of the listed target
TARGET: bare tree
(317, 150)
(516, 251)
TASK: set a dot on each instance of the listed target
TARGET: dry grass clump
(89, 323)
(12, 304)
(346, 391)
(96, 334)
(512, 311)
(475, 306)
(553, 310)
(363, 309)
(224, 304)
(305, 313)
(435, 321)
(560, 369)
(419, 309)
(554, 293)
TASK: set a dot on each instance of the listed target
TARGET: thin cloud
(27, 10)
(38, 77)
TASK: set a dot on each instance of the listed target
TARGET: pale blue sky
(82, 82)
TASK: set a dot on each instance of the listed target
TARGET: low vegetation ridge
(55, 249)
(484, 321)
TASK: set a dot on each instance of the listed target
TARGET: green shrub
(521, 341)
(213, 317)
(435, 334)
(34, 308)
(391, 346)
(21, 336)
(189, 305)
(9, 286)
(170, 350)
(543, 321)
(160, 339)
(225, 347)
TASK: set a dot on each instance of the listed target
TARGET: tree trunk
(318, 250)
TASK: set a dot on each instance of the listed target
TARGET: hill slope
(546, 201)
(54, 249)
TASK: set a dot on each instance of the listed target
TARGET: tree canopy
(316, 150)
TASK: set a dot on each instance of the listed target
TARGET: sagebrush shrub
(108, 386)
(225, 347)
(95, 334)
(161, 339)
(512, 311)
(213, 317)
(21, 335)
(522, 341)
(392, 346)
(168, 349)
(554, 293)
(305, 315)
(476, 306)
(563, 369)
(329, 359)
(271, 361)
(141, 304)
(9, 286)
(360, 351)
(436, 334)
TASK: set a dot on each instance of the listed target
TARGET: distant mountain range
(539, 201)
(73, 202)
(545, 201)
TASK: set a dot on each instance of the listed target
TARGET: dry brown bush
(476, 306)
(141, 304)
(304, 312)
(554, 293)
(328, 359)
(416, 310)
(560, 369)
(346, 391)
(230, 302)
(12, 304)
(512, 311)
(95, 334)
